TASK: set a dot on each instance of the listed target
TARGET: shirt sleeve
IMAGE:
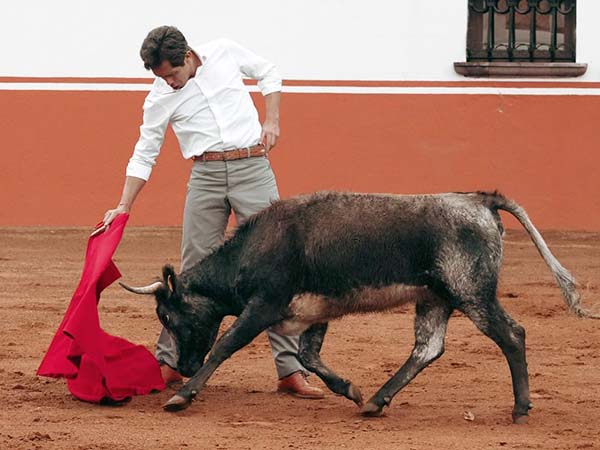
(152, 135)
(256, 67)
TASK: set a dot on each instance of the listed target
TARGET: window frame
(504, 59)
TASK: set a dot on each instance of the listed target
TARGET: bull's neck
(216, 274)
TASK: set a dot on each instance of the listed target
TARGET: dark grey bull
(307, 260)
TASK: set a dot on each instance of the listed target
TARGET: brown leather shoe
(297, 385)
(169, 375)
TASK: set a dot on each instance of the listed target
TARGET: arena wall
(371, 103)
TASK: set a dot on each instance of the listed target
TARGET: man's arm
(269, 83)
(256, 67)
(270, 130)
(131, 189)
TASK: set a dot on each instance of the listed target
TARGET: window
(522, 31)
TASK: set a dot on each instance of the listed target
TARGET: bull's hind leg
(431, 319)
(309, 350)
(495, 323)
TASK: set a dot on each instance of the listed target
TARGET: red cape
(98, 366)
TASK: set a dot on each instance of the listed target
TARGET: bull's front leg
(256, 317)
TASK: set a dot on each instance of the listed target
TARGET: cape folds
(99, 367)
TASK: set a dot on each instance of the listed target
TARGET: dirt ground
(239, 408)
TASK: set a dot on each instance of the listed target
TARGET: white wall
(309, 39)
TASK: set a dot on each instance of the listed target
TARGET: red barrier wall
(64, 153)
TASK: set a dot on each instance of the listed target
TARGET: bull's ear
(170, 279)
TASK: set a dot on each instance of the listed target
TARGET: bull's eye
(166, 318)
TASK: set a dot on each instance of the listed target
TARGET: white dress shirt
(212, 112)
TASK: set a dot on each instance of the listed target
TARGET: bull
(307, 260)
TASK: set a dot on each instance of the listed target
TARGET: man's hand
(132, 188)
(109, 216)
(270, 129)
(270, 134)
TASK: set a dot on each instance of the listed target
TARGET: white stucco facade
(310, 40)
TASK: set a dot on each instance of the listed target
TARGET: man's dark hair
(163, 43)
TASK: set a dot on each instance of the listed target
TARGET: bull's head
(191, 319)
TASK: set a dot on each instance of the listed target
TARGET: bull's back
(351, 240)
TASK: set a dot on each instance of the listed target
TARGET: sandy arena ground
(239, 408)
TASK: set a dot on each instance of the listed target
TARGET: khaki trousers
(245, 186)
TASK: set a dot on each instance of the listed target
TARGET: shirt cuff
(135, 169)
(270, 90)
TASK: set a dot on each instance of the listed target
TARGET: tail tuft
(564, 278)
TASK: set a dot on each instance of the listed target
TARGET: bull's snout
(186, 372)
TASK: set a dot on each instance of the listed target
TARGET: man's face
(176, 77)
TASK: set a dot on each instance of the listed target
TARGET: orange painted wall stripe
(64, 153)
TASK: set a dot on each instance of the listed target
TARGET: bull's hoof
(177, 403)
(371, 410)
(354, 394)
(520, 419)
(520, 414)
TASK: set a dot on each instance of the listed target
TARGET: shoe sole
(303, 396)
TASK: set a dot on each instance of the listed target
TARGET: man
(199, 91)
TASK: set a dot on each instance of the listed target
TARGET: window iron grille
(521, 30)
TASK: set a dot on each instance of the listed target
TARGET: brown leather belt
(232, 155)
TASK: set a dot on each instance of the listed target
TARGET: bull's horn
(150, 289)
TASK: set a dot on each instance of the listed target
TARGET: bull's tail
(565, 280)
